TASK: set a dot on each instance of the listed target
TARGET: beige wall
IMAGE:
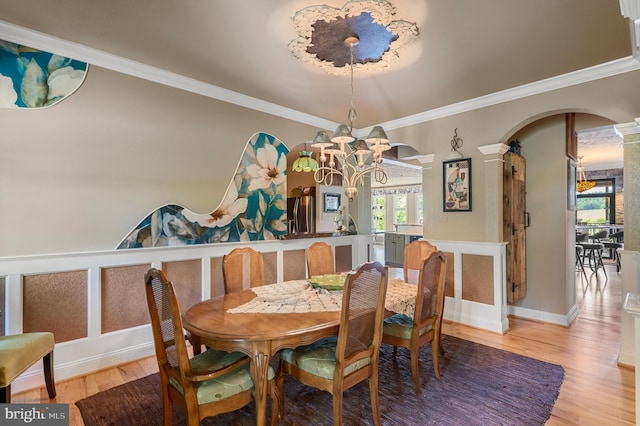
(79, 176)
(550, 278)
(612, 98)
(543, 146)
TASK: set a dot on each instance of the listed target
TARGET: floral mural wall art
(254, 206)
(31, 78)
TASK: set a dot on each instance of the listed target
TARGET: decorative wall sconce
(456, 144)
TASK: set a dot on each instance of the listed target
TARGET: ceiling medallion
(322, 30)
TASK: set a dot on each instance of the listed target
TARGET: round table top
(210, 320)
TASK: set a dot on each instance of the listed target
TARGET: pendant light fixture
(348, 151)
(583, 184)
(305, 162)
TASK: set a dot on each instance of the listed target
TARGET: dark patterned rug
(480, 385)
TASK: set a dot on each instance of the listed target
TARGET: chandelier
(347, 154)
(583, 184)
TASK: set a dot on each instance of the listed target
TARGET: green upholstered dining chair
(210, 383)
(336, 364)
(426, 324)
(18, 352)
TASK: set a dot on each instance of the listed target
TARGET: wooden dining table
(261, 335)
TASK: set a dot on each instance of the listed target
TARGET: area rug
(480, 385)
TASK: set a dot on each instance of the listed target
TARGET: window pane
(400, 209)
(377, 207)
(593, 210)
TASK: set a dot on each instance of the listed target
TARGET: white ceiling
(600, 148)
(237, 50)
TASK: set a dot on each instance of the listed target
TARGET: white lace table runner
(299, 296)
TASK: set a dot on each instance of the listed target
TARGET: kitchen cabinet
(394, 247)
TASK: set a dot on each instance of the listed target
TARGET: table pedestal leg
(260, 376)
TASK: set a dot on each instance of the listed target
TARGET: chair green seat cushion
(18, 352)
(319, 358)
(400, 325)
(222, 387)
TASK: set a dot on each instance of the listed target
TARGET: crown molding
(630, 9)
(42, 41)
(608, 69)
(45, 42)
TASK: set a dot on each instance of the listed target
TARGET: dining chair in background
(208, 384)
(580, 263)
(610, 243)
(335, 364)
(242, 268)
(414, 253)
(426, 324)
(320, 260)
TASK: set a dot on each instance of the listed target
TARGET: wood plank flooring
(596, 391)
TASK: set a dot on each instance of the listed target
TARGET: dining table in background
(261, 321)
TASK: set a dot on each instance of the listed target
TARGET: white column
(429, 184)
(630, 133)
(493, 190)
(632, 306)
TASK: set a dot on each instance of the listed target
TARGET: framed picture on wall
(456, 185)
(572, 196)
(331, 202)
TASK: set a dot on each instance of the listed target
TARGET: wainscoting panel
(217, 277)
(186, 276)
(343, 255)
(448, 283)
(123, 297)
(270, 267)
(477, 278)
(295, 265)
(477, 271)
(56, 302)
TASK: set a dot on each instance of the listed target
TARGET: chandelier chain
(352, 116)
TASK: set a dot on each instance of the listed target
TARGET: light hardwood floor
(596, 391)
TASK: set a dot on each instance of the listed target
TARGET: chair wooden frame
(360, 322)
(174, 363)
(242, 268)
(414, 253)
(320, 259)
(427, 313)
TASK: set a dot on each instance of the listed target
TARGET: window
(597, 205)
(377, 207)
(400, 209)
(419, 212)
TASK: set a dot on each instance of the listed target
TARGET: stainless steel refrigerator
(302, 214)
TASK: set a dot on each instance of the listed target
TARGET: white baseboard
(549, 317)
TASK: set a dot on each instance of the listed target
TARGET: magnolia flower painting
(254, 206)
(31, 78)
